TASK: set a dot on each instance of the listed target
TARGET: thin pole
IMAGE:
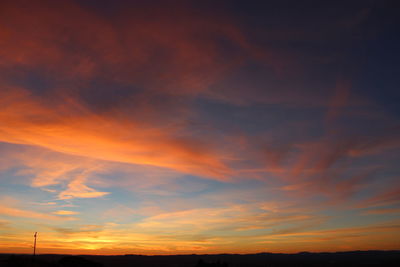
(34, 244)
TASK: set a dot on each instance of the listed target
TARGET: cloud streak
(73, 130)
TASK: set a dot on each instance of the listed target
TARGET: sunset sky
(180, 127)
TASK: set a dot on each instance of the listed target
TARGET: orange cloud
(73, 130)
(65, 212)
(16, 212)
(142, 125)
(77, 189)
(45, 168)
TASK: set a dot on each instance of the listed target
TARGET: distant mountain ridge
(266, 259)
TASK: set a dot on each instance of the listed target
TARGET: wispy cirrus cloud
(90, 135)
(65, 212)
(10, 211)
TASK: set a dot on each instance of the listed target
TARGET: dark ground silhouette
(304, 259)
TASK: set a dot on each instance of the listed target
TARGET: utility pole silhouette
(34, 244)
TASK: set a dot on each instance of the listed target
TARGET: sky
(182, 127)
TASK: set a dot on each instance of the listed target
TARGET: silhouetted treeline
(304, 259)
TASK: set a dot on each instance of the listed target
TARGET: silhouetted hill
(303, 259)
